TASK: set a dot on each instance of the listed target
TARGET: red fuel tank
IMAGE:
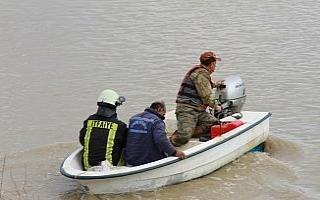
(224, 127)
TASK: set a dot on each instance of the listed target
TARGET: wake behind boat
(203, 157)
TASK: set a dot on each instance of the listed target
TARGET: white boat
(202, 158)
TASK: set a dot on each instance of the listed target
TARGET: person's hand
(217, 108)
(180, 154)
(219, 82)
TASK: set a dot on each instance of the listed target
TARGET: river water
(57, 56)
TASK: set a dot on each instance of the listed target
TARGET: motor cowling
(231, 96)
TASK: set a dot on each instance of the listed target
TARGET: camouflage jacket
(202, 81)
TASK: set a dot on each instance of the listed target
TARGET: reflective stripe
(121, 160)
(138, 131)
(111, 127)
(110, 142)
(86, 148)
(101, 124)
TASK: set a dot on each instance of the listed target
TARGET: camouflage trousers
(187, 120)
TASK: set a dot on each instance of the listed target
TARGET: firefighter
(103, 136)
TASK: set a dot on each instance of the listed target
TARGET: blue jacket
(147, 140)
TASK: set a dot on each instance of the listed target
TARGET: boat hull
(203, 158)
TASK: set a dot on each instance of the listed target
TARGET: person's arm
(203, 86)
(83, 133)
(124, 134)
(163, 143)
(161, 140)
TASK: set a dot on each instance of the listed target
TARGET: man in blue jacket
(147, 140)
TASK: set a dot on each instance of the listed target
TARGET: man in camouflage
(194, 96)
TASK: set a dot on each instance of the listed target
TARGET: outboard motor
(231, 96)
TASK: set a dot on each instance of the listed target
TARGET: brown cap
(208, 54)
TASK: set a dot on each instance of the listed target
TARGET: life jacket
(188, 89)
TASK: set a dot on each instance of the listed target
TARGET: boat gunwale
(152, 167)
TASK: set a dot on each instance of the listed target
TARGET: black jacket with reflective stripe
(103, 138)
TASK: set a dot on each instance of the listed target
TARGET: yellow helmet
(110, 97)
